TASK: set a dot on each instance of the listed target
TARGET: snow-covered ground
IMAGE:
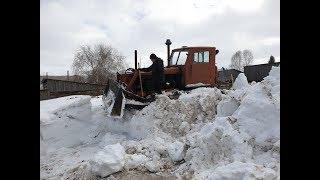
(206, 133)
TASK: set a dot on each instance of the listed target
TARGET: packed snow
(240, 82)
(108, 161)
(206, 133)
(196, 85)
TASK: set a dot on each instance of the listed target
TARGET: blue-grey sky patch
(139, 15)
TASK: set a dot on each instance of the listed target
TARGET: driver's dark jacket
(157, 69)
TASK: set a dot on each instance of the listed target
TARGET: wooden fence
(53, 88)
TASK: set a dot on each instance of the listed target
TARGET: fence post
(231, 78)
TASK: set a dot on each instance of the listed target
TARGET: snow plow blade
(114, 99)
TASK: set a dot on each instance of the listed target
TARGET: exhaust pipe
(135, 59)
(168, 43)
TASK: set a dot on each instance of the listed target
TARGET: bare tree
(241, 59)
(247, 57)
(236, 61)
(97, 64)
(78, 78)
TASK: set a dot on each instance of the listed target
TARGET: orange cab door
(200, 67)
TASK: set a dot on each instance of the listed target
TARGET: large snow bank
(273, 83)
(52, 106)
(259, 111)
(258, 115)
(204, 134)
(68, 122)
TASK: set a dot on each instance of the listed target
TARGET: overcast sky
(229, 25)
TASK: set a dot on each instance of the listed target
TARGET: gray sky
(229, 25)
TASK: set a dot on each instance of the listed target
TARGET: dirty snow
(238, 170)
(131, 101)
(206, 133)
(135, 160)
(196, 85)
(176, 151)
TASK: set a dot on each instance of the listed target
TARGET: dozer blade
(114, 99)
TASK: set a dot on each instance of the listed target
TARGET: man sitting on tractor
(157, 70)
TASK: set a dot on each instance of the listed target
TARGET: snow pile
(109, 139)
(227, 107)
(238, 170)
(175, 116)
(273, 83)
(258, 116)
(176, 151)
(259, 112)
(240, 82)
(153, 154)
(108, 161)
(43, 149)
(204, 134)
(135, 161)
(215, 144)
(53, 106)
(66, 121)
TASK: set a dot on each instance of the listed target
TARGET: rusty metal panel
(200, 72)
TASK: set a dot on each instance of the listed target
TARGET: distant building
(224, 75)
(258, 72)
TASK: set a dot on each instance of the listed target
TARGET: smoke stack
(168, 43)
(135, 59)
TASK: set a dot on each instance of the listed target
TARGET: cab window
(179, 58)
(201, 57)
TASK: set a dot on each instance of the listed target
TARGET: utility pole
(68, 75)
(47, 75)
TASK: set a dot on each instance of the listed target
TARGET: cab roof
(193, 47)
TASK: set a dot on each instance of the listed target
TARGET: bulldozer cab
(197, 65)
